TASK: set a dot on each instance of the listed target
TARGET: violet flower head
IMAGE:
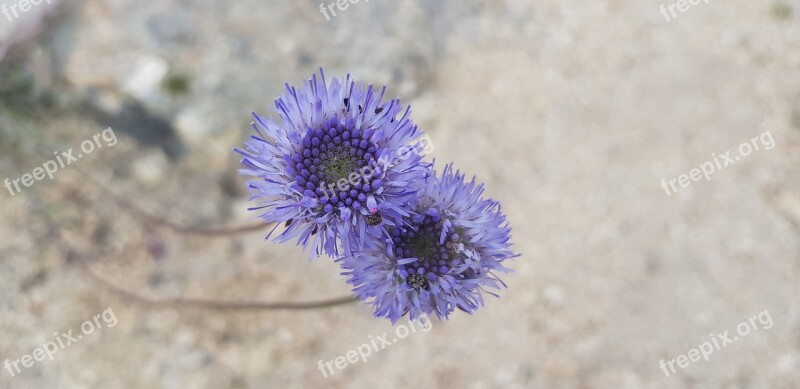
(336, 168)
(442, 258)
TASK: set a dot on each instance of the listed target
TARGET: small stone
(145, 82)
(789, 204)
(109, 102)
(192, 127)
(151, 167)
(285, 335)
(503, 378)
(787, 362)
(554, 296)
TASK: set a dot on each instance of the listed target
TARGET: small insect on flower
(336, 167)
(440, 259)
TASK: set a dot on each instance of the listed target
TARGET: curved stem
(155, 220)
(204, 303)
(219, 305)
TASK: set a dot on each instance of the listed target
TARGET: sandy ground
(571, 111)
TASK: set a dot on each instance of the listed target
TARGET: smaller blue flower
(441, 258)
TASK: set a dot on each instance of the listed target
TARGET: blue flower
(442, 258)
(338, 167)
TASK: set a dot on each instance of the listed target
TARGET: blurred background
(571, 111)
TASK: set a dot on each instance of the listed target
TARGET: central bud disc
(422, 241)
(336, 165)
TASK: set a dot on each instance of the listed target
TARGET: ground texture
(571, 111)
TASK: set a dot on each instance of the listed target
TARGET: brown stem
(216, 305)
(159, 221)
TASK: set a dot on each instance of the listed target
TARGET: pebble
(192, 126)
(554, 295)
(151, 167)
(145, 81)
